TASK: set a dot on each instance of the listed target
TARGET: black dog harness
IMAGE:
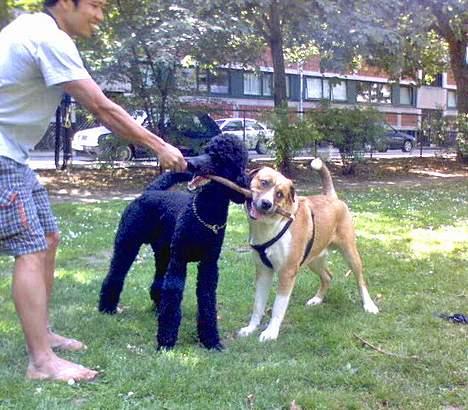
(264, 246)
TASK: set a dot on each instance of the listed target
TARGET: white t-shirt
(35, 58)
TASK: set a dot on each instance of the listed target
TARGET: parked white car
(87, 140)
(255, 134)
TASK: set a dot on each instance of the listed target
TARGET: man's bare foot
(64, 343)
(60, 370)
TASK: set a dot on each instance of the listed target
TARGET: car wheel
(123, 153)
(261, 147)
(407, 146)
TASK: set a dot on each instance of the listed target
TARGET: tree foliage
(293, 28)
(8, 8)
(427, 35)
(143, 43)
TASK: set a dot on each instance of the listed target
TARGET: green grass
(414, 244)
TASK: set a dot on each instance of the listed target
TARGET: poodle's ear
(243, 181)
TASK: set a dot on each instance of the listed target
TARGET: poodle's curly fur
(177, 234)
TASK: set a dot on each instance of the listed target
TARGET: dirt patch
(95, 184)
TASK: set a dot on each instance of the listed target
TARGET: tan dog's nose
(265, 205)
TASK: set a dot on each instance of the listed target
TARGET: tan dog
(285, 244)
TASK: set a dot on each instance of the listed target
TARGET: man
(38, 63)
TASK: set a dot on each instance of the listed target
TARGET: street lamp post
(300, 68)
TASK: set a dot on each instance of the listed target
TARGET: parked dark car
(187, 130)
(394, 139)
(190, 131)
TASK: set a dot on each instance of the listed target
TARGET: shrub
(351, 130)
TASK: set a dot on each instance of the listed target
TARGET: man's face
(83, 20)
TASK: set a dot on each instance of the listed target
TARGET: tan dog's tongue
(254, 214)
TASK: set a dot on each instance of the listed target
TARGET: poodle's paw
(110, 310)
(212, 344)
(270, 333)
(162, 348)
(218, 347)
(314, 301)
(246, 331)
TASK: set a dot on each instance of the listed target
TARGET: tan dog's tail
(328, 188)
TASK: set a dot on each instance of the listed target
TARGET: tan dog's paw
(270, 333)
(314, 301)
(246, 331)
(370, 307)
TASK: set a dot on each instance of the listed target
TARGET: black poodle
(181, 227)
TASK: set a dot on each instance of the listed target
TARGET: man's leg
(56, 341)
(48, 223)
(30, 296)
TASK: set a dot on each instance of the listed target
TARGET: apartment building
(235, 91)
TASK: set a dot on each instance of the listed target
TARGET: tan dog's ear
(252, 172)
(292, 193)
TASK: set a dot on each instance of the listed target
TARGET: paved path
(45, 159)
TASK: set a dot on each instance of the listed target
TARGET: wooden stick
(378, 349)
(246, 192)
(284, 213)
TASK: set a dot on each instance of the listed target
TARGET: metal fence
(425, 127)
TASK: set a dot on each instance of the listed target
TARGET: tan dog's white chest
(277, 253)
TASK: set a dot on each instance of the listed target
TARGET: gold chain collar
(215, 228)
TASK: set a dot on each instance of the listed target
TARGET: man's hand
(170, 158)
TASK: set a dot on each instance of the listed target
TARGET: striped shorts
(25, 213)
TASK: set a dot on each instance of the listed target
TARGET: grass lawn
(414, 244)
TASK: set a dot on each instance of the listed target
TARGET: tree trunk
(275, 41)
(459, 65)
(277, 56)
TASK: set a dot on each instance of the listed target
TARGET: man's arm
(114, 117)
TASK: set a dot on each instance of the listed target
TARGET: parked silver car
(255, 134)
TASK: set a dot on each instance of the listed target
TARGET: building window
(338, 91)
(313, 88)
(451, 99)
(319, 88)
(203, 81)
(406, 95)
(267, 82)
(377, 93)
(432, 80)
(219, 82)
(260, 84)
(252, 84)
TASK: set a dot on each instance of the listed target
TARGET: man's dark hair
(50, 3)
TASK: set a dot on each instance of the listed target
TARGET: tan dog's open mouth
(251, 211)
(256, 213)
